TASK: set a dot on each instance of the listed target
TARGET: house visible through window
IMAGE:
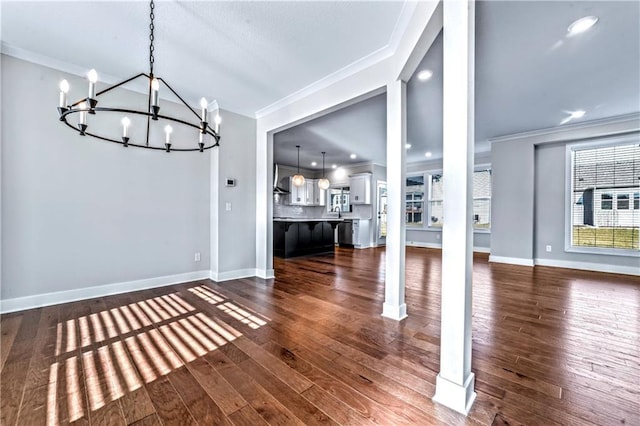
(604, 180)
(432, 213)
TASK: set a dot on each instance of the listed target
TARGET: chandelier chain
(151, 37)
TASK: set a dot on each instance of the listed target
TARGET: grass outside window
(607, 237)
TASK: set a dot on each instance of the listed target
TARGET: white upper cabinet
(360, 188)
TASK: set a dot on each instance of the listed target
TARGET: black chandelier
(208, 137)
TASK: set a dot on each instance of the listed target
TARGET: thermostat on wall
(230, 182)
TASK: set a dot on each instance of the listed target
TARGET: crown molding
(385, 52)
(408, 8)
(619, 124)
(56, 64)
(80, 71)
(347, 71)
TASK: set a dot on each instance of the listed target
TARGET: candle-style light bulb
(218, 120)
(167, 130)
(83, 112)
(155, 86)
(64, 89)
(93, 78)
(203, 105)
(125, 126)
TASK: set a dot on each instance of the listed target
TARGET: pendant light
(324, 182)
(298, 179)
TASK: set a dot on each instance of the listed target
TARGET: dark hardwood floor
(550, 346)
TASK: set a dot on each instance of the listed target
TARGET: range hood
(276, 188)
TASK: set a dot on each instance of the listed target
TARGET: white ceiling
(528, 73)
(248, 55)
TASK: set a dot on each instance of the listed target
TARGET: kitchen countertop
(298, 219)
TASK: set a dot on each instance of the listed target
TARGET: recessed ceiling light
(408, 145)
(424, 75)
(353, 156)
(582, 25)
(427, 154)
(333, 166)
(573, 114)
(313, 163)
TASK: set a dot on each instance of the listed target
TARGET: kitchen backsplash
(316, 212)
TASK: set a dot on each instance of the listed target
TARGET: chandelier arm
(121, 83)
(149, 103)
(138, 145)
(182, 100)
(212, 133)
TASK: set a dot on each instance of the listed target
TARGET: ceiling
(528, 74)
(244, 54)
(248, 55)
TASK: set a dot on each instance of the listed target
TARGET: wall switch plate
(196, 257)
(228, 207)
(548, 248)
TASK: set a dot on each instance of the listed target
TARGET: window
(434, 214)
(482, 199)
(622, 202)
(603, 177)
(414, 208)
(436, 199)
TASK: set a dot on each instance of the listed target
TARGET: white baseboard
(511, 260)
(439, 246)
(395, 312)
(233, 275)
(587, 266)
(457, 397)
(47, 299)
(265, 274)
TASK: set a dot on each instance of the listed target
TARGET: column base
(395, 312)
(454, 396)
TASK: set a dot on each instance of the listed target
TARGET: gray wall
(236, 237)
(78, 212)
(512, 200)
(550, 163)
(529, 190)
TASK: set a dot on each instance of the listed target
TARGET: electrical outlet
(548, 248)
(196, 257)
(228, 207)
(437, 236)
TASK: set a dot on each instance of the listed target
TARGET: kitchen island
(300, 237)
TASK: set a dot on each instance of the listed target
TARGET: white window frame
(568, 224)
(427, 199)
(413, 225)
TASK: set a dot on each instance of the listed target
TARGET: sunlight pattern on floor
(102, 356)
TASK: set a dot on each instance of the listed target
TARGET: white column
(264, 203)
(214, 213)
(394, 306)
(455, 382)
